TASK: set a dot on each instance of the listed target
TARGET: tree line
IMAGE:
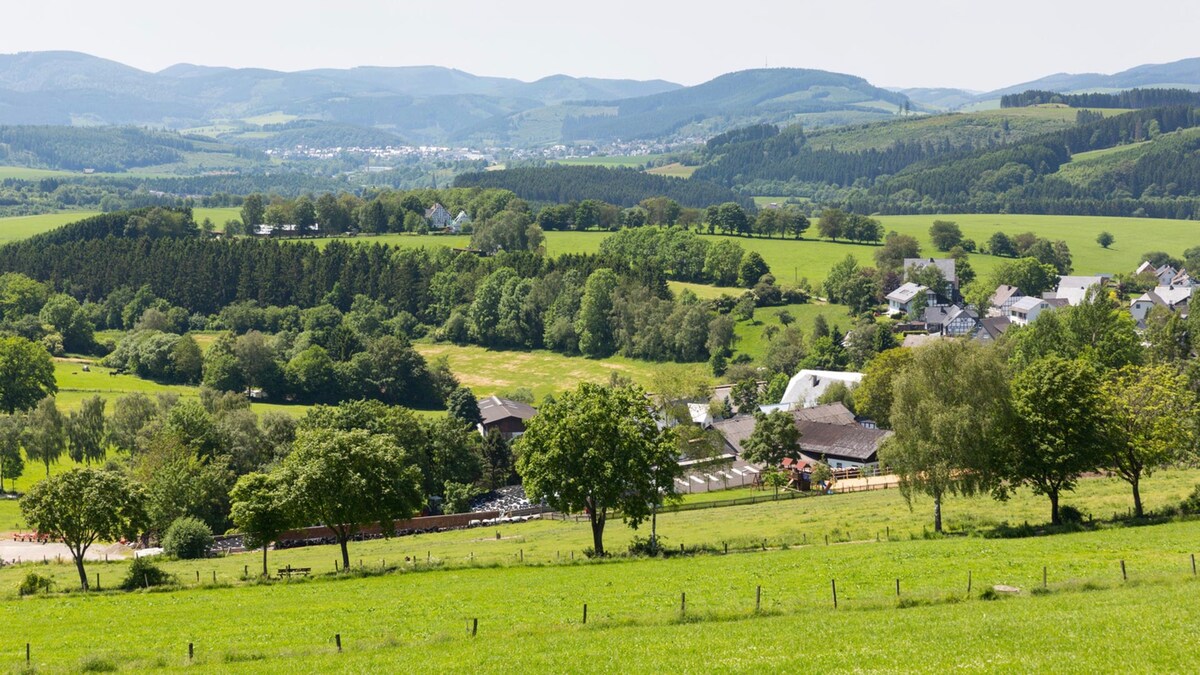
(623, 187)
(1130, 98)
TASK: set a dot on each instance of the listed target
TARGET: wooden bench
(290, 571)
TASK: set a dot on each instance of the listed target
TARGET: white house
(439, 218)
(1029, 307)
(459, 221)
(1174, 298)
(907, 299)
(1166, 274)
(1074, 289)
(807, 386)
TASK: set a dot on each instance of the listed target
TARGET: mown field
(528, 595)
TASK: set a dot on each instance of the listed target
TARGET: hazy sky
(964, 43)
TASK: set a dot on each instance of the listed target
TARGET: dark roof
(837, 434)
(852, 442)
(736, 430)
(493, 409)
(946, 265)
(830, 413)
(995, 326)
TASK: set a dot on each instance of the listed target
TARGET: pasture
(520, 582)
(489, 372)
(22, 227)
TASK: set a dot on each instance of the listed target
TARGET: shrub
(143, 573)
(187, 538)
(34, 583)
(1070, 515)
(641, 546)
(1191, 505)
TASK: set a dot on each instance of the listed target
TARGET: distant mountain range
(431, 104)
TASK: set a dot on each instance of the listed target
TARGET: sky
(927, 43)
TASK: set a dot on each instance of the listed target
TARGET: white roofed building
(807, 386)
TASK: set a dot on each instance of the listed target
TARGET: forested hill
(112, 149)
(1160, 176)
(726, 102)
(623, 187)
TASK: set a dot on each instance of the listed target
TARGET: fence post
(191, 651)
(337, 639)
(826, 540)
(682, 603)
(758, 600)
(27, 654)
(474, 626)
(888, 532)
(1193, 564)
(585, 613)
(1124, 576)
(897, 587)
(968, 582)
(833, 585)
(215, 575)
(1043, 576)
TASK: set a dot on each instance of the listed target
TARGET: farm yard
(635, 604)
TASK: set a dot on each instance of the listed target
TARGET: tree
(463, 406)
(497, 456)
(259, 512)
(12, 465)
(597, 449)
(594, 325)
(945, 234)
(1151, 421)
(752, 269)
(832, 223)
(745, 395)
(1027, 274)
(774, 438)
(83, 506)
(949, 414)
(1105, 239)
(874, 395)
(45, 433)
(26, 374)
(85, 430)
(253, 210)
(896, 248)
(346, 479)
(1057, 430)
(1000, 244)
(131, 414)
(722, 262)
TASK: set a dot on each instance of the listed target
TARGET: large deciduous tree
(347, 479)
(598, 449)
(26, 374)
(83, 506)
(1057, 430)
(949, 410)
(85, 429)
(1151, 422)
(45, 433)
(259, 511)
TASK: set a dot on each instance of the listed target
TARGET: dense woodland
(623, 187)
(1132, 98)
(932, 177)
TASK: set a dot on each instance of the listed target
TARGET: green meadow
(767, 604)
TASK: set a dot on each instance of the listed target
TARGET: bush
(640, 546)
(34, 583)
(1191, 505)
(187, 538)
(97, 664)
(1070, 515)
(143, 573)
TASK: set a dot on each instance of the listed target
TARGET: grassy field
(527, 593)
(489, 372)
(750, 338)
(674, 170)
(23, 227)
(636, 161)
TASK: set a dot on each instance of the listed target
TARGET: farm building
(507, 417)
(829, 432)
(806, 386)
(461, 220)
(439, 218)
